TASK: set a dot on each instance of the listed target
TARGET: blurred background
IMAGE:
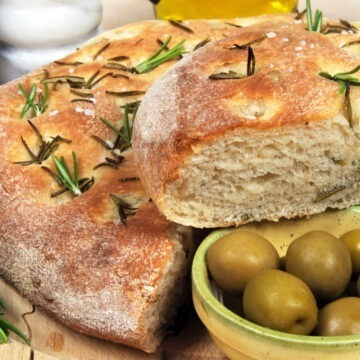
(35, 32)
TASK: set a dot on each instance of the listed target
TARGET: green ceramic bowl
(241, 339)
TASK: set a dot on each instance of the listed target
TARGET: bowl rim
(200, 280)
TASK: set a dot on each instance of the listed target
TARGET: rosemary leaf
(100, 51)
(119, 58)
(250, 68)
(125, 93)
(132, 178)
(75, 63)
(116, 66)
(248, 44)
(82, 100)
(82, 94)
(348, 107)
(116, 76)
(201, 44)
(181, 26)
(234, 25)
(63, 79)
(52, 174)
(351, 43)
(101, 142)
(326, 194)
(231, 75)
(91, 79)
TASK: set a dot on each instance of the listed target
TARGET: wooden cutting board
(51, 340)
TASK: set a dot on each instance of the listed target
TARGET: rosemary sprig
(6, 327)
(125, 209)
(38, 107)
(314, 24)
(69, 181)
(344, 78)
(123, 142)
(232, 75)
(111, 162)
(46, 148)
(159, 58)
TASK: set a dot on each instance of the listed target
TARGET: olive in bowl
(240, 338)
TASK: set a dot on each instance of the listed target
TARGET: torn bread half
(260, 125)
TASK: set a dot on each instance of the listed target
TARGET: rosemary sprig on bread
(37, 107)
(158, 57)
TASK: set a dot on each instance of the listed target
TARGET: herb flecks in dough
(38, 106)
(159, 57)
(46, 148)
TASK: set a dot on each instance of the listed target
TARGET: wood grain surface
(52, 341)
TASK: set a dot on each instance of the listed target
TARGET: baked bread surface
(111, 271)
(279, 142)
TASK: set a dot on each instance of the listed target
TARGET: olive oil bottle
(210, 9)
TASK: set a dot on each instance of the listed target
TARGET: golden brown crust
(72, 256)
(186, 109)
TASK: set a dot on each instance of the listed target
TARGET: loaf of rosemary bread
(79, 235)
(260, 125)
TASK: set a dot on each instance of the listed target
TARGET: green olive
(280, 301)
(340, 317)
(322, 261)
(238, 256)
(351, 240)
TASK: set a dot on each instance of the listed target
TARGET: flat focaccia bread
(96, 255)
(260, 125)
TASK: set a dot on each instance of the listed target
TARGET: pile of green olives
(314, 289)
